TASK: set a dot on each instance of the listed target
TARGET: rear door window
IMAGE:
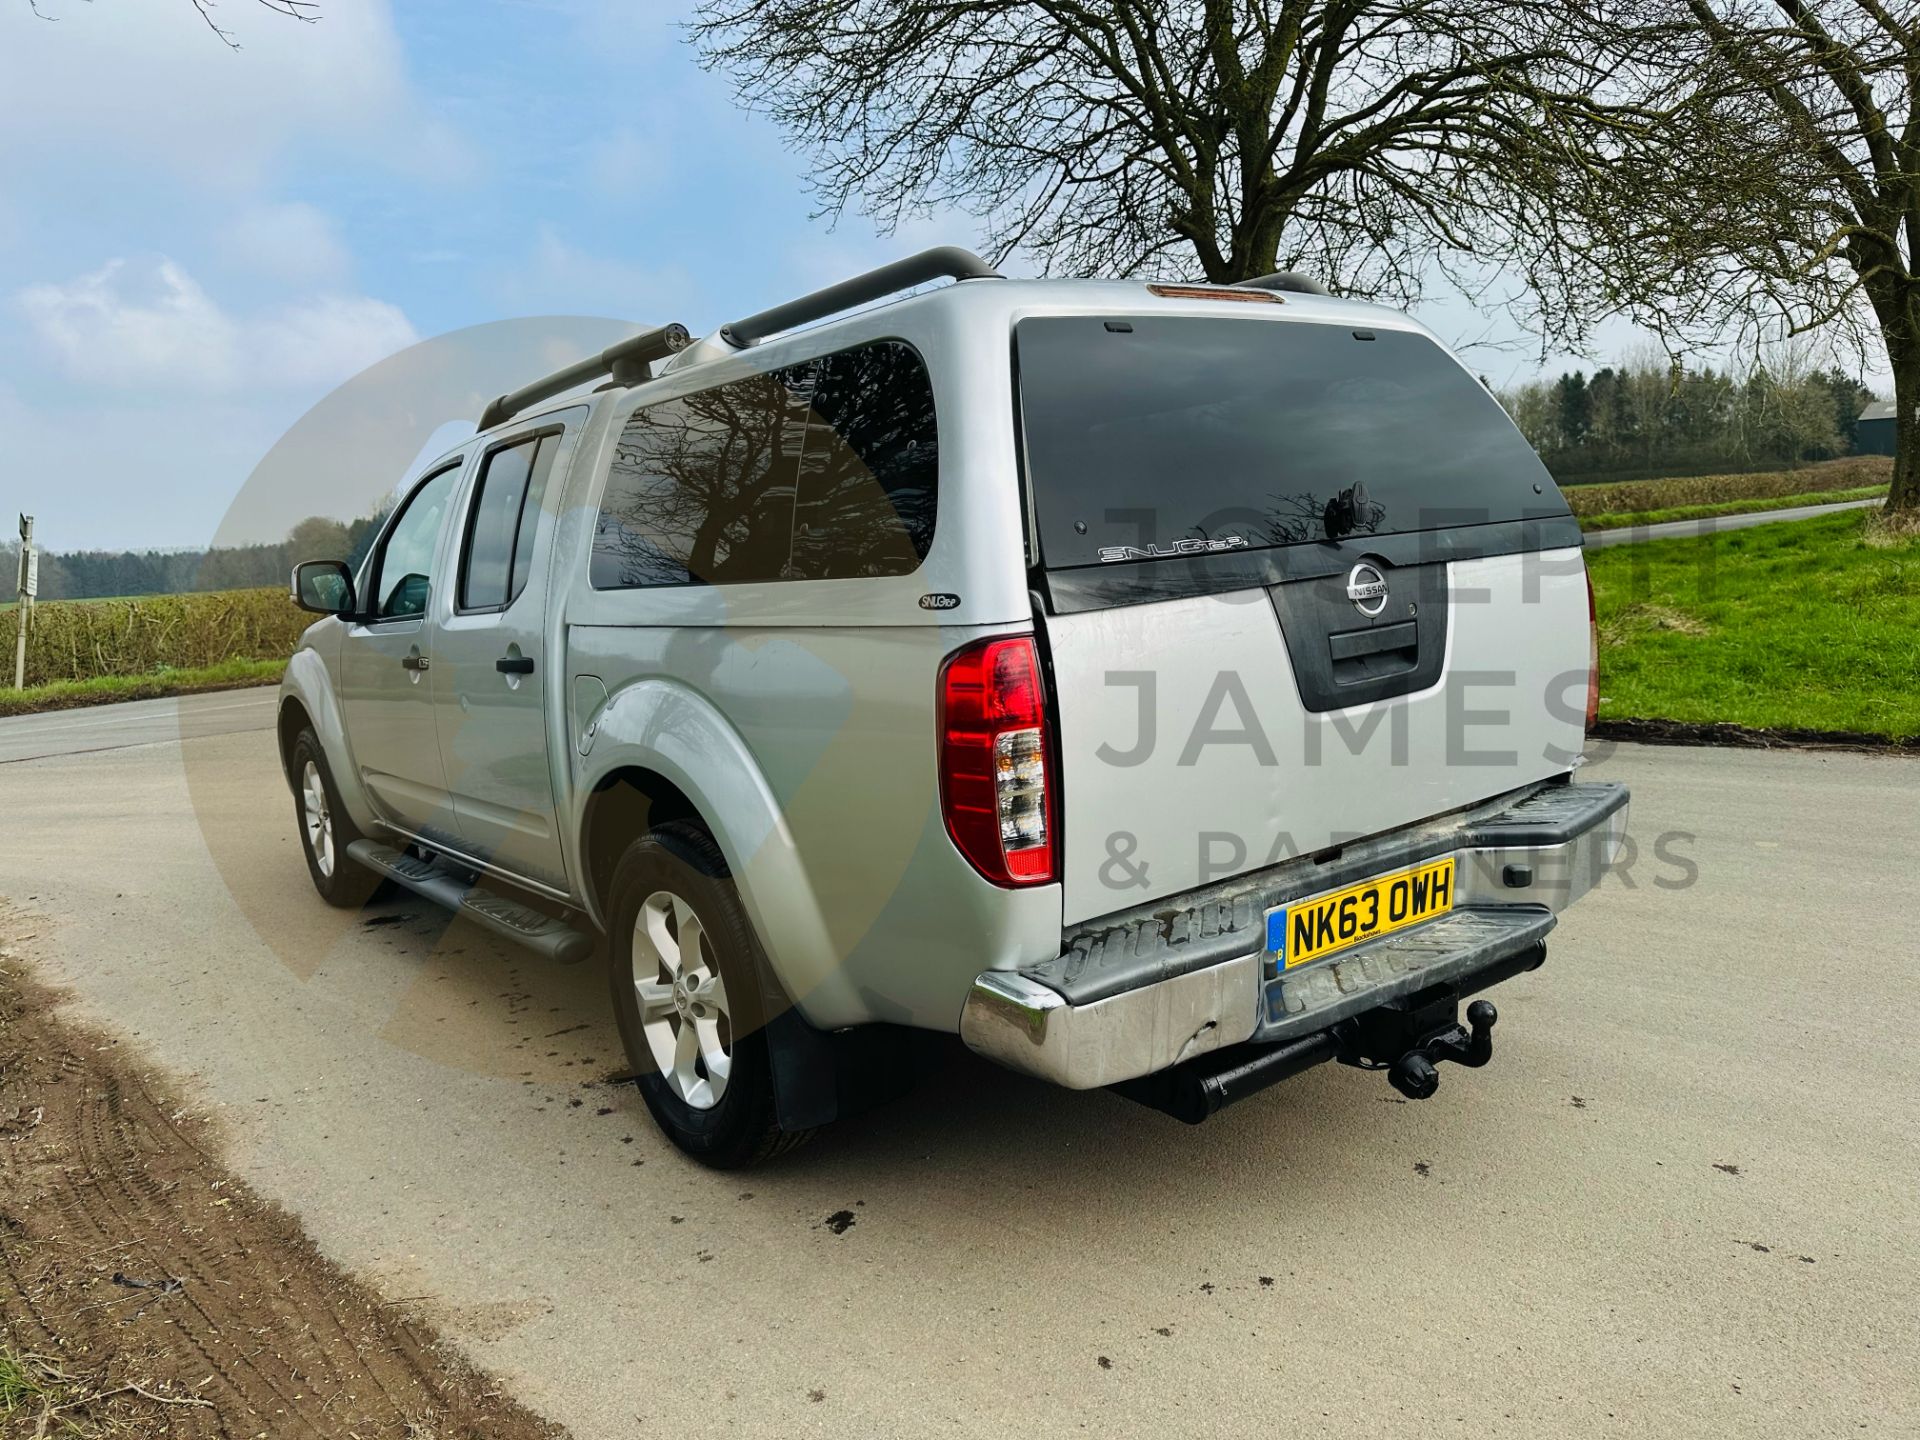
(1154, 435)
(819, 470)
(500, 532)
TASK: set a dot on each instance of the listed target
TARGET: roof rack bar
(626, 362)
(1285, 280)
(934, 264)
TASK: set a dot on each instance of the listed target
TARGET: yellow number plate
(1376, 907)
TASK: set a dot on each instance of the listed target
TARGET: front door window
(404, 576)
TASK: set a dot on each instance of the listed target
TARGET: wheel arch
(293, 718)
(307, 702)
(625, 803)
(662, 751)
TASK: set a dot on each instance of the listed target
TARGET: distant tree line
(1649, 416)
(95, 574)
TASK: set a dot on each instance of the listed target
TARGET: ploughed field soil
(147, 1292)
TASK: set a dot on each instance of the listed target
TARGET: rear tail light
(1593, 657)
(993, 761)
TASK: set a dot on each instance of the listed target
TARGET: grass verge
(1625, 519)
(29, 1394)
(1813, 626)
(108, 689)
(33, 1389)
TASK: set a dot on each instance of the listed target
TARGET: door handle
(514, 665)
(414, 662)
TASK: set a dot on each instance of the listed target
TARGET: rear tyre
(326, 829)
(684, 967)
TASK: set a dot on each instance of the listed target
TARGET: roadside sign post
(29, 587)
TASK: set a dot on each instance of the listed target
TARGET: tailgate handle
(1357, 643)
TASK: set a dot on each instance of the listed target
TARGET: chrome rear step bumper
(1405, 1037)
(1141, 992)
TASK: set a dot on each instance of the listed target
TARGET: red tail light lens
(1214, 292)
(993, 761)
(1593, 657)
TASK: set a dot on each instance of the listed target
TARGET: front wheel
(326, 829)
(684, 970)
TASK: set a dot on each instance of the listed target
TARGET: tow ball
(1415, 1074)
(1414, 1070)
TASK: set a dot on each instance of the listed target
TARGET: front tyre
(684, 968)
(326, 829)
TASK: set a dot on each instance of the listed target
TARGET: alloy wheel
(318, 818)
(683, 1000)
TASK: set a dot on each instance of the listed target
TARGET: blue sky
(196, 244)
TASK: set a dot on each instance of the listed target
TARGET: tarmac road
(1714, 524)
(138, 722)
(1684, 1199)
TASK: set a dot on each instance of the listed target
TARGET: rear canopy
(1152, 435)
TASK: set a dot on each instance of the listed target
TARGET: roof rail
(1285, 280)
(626, 363)
(934, 264)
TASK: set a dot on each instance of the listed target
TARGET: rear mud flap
(821, 1076)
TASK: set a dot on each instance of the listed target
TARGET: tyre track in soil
(105, 1172)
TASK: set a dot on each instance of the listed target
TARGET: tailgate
(1189, 752)
(1303, 583)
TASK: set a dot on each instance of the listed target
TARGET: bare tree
(306, 10)
(1775, 183)
(1369, 141)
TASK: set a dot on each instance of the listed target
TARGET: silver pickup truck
(1164, 687)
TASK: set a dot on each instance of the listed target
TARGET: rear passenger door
(490, 654)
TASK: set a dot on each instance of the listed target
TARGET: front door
(490, 663)
(386, 657)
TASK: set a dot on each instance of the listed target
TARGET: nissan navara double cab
(1162, 687)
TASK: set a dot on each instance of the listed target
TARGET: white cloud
(327, 339)
(117, 327)
(146, 86)
(294, 242)
(151, 325)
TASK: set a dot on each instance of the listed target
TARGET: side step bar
(509, 919)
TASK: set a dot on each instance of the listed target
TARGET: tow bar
(1416, 1050)
(1409, 1038)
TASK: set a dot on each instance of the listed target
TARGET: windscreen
(1152, 436)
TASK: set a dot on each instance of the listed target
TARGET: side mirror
(323, 586)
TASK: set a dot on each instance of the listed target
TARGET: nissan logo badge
(1367, 589)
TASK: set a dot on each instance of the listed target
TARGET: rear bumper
(1137, 992)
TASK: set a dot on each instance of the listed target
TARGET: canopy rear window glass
(823, 470)
(1142, 432)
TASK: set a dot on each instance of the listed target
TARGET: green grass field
(1804, 625)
